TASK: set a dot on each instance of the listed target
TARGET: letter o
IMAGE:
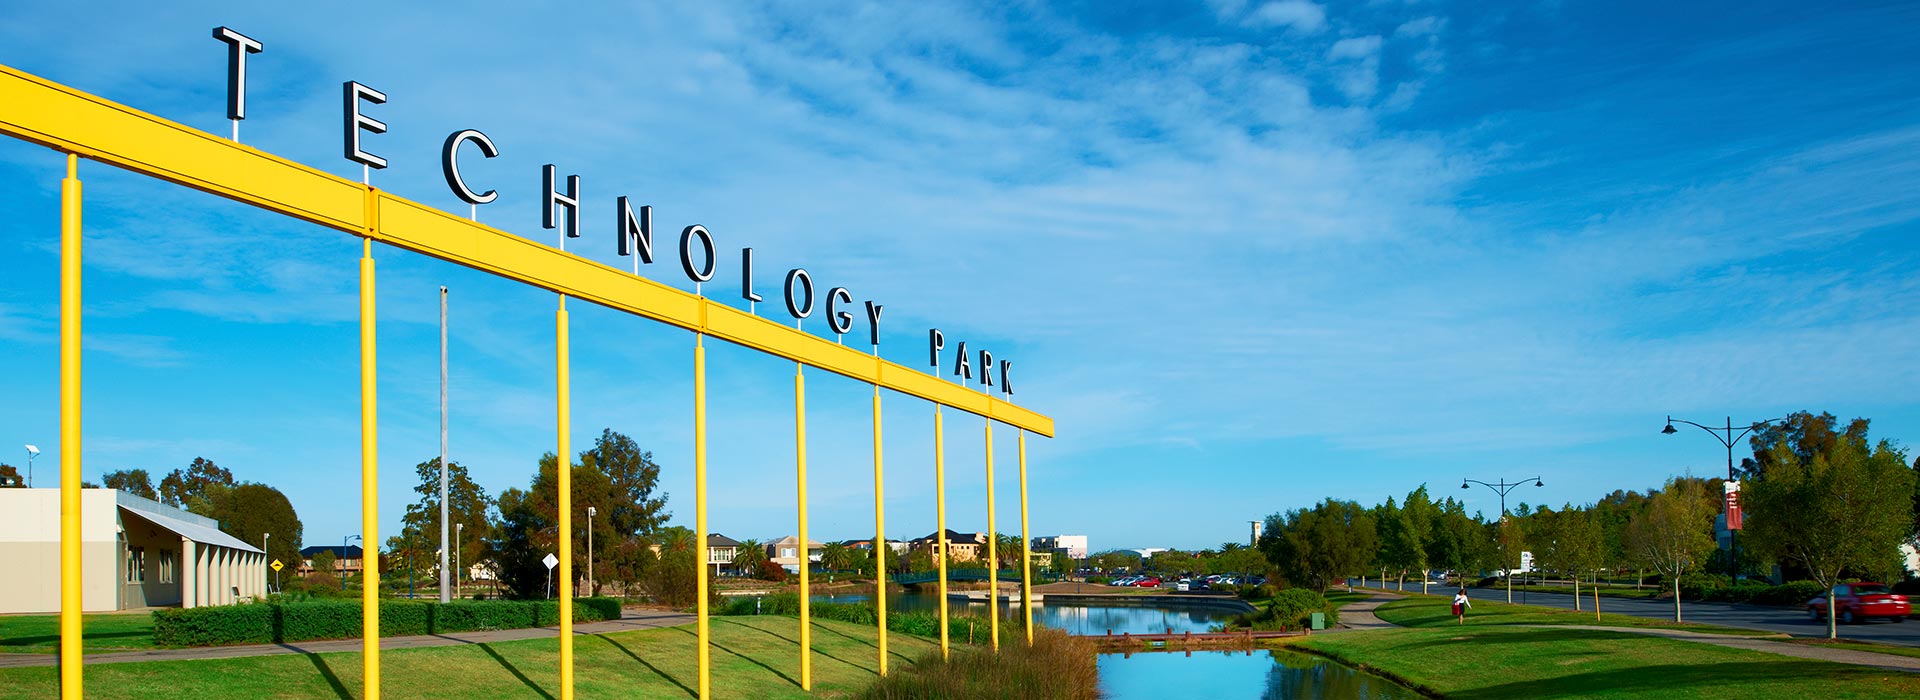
(704, 273)
(798, 277)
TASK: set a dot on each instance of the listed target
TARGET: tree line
(1822, 501)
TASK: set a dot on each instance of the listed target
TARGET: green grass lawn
(1474, 662)
(40, 634)
(1860, 646)
(1435, 611)
(753, 657)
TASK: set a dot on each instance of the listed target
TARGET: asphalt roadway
(1785, 620)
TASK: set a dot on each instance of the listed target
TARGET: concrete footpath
(632, 620)
(1359, 616)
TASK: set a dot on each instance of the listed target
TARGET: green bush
(1290, 609)
(318, 619)
(1791, 593)
(215, 626)
(1056, 666)
(1227, 588)
(265, 623)
(1260, 592)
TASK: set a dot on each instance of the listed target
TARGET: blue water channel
(1213, 675)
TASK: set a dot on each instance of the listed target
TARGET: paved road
(1783, 620)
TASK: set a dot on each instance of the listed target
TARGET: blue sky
(1248, 254)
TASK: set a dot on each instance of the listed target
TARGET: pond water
(1212, 675)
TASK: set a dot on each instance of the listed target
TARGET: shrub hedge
(920, 624)
(1290, 609)
(268, 623)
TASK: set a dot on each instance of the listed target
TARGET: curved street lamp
(1728, 439)
(1503, 488)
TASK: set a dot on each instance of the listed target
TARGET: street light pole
(458, 528)
(264, 537)
(346, 542)
(445, 592)
(1728, 440)
(32, 452)
(591, 511)
(1503, 488)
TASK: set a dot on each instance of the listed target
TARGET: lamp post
(1503, 488)
(346, 542)
(457, 529)
(32, 452)
(1728, 440)
(264, 536)
(591, 511)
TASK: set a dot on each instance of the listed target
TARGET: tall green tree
(633, 508)
(1847, 506)
(1420, 514)
(517, 543)
(1321, 545)
(590, 490)
(1400, 540)
(671, 582)
(133, 481)
(467, 504)
(250, 510)
(1674, 532)
(198, 488)
(1806, 435)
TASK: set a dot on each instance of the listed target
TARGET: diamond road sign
(551, 561)
(277, 565)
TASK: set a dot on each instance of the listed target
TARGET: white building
(1076, 545)
(134, 553)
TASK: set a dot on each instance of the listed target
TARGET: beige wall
(30, 550)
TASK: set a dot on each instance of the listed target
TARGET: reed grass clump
(1056, 667)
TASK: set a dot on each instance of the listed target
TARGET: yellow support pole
(1026, 545)
(880, 549)
(369, 479)
(806, 553)
(993, 552)
(563, 466)
(700, 499)
(940, 510)
(70, 602)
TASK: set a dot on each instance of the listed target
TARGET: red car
(1148, 582)
(1856, 602)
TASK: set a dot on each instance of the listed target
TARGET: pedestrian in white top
(1460, 605)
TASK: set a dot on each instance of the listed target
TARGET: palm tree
(751, 557)
(835, 557)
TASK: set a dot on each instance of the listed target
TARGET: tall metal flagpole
(446, 588)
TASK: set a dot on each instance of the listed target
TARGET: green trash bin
(1319, 621)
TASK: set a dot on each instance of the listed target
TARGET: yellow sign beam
(53, 115)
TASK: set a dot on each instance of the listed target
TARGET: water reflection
(1264, 675)
(1076, 619)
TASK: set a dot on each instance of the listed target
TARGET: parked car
(1857, 602)
(1123, 581)
(1148, 582)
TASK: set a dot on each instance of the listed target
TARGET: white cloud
(1357, 66)
(1299, 15)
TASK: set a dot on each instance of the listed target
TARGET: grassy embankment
(1428, 611)
(756, 657)
(1498, 655)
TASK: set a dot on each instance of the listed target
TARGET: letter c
(450, 164)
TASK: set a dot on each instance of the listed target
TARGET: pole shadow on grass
(515, 671)
(650, 667)
(749, 659)
(333, 681)
(871, 645)
(1528, 636)
(796, 643)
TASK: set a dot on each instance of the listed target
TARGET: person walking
(1460, 605)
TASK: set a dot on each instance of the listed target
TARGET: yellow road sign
(277, 565)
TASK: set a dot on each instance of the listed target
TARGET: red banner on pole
(1733, 505)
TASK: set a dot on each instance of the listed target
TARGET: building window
(136, 564)
(166, 566)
